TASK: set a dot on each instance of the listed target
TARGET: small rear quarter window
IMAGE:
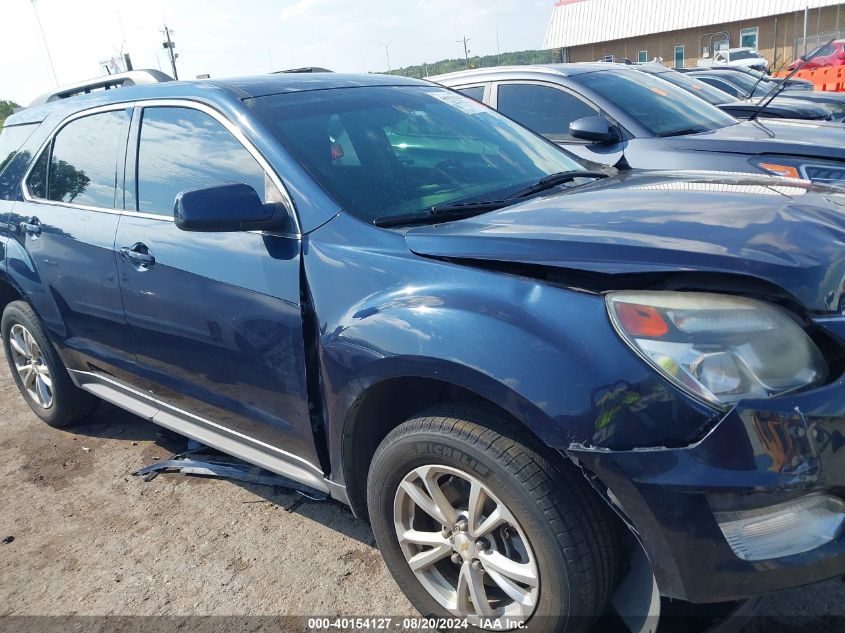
(12, 139)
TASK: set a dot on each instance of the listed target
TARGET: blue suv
(554, 389)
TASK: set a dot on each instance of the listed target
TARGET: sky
(241, 37)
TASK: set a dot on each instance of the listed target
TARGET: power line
(44, 39)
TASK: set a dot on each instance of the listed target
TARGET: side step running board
(202, 430)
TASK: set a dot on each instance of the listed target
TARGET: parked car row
(750, 86)
(738, 106)
(644, 117)
(558, 388)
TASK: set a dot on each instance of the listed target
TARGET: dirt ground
(90, 539)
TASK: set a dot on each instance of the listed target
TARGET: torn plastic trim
(195, 461)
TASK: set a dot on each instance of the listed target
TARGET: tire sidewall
(13, 315)
(416, 449)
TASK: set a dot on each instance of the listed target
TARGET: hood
(818, 139)
(788, 233)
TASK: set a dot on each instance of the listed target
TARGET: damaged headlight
(718, 347)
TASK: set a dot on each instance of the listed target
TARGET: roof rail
(120, 80)
(307, 69)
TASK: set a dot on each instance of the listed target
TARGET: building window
(642, 56)
(679, 56)
(748, 37)
(608, 57)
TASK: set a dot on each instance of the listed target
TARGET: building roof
(577, 22)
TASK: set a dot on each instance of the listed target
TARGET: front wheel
(474, 523)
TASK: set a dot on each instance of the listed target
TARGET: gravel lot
(90, 539)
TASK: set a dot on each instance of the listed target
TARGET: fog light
(783, 529)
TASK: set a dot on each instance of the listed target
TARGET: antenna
(44, 39)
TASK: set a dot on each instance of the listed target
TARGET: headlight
(718, 347)
(826, 172)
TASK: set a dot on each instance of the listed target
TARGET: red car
(832, 54)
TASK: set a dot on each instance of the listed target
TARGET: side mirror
(593, 128)
(222, 208)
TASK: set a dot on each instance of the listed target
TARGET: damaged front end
(754, 506)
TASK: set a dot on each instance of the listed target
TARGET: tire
(570, 533)
(51, 394)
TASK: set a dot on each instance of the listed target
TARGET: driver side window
(181, 149)
(544, 109)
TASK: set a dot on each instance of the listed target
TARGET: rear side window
(82, 162)
(11, 140)
(182, 149)
(544, 109)
(722, 85)
(473, 92)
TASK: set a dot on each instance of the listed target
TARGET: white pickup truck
(744, 56)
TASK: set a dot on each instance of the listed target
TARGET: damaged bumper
(782, 456)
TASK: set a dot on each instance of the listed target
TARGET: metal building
(682, 31)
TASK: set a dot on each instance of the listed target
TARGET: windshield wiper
(452, 211)
(682, 132)
(762, 76)
(779, 86)
(463, 210)
(553, 180)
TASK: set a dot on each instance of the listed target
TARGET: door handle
(32, 226)
(139, 255)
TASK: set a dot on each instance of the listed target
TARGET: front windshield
(746, 83)
(384, 151)
(659, 106)
(696, 87)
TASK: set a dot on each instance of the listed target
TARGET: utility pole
(466, 50)
(806, 17)
(169, 44)
(44, 39)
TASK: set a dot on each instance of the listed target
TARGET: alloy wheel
(466, 547)
(31, 366)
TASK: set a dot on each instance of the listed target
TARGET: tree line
(515, 58)
(6, 109)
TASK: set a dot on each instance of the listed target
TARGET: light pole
(44, 39)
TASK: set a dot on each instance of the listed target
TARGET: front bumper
(761, 453)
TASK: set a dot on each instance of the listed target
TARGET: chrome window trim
(27, 195)
(164, 103)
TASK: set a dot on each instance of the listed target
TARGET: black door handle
(32, 226)
(139, 255)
